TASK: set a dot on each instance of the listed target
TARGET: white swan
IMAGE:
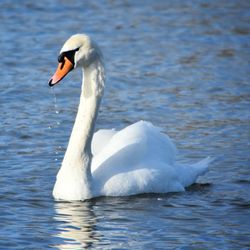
(136, 159)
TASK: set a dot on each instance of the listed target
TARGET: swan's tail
(189, 174)
(202, 166)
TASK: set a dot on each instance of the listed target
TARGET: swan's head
(78, 50)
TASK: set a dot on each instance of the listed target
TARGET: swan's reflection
(76, 225)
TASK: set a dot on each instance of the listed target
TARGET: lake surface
(183, 65)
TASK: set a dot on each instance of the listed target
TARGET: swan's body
(136, 159)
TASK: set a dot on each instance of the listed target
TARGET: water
(184, 65)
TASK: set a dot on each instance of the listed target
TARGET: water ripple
(182, 65)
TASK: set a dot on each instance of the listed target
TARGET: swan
(137, 159)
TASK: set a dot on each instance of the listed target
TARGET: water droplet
(55, 101)
(53, 92)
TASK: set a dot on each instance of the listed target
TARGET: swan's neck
(78, 156)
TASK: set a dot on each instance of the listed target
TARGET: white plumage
(137, 159)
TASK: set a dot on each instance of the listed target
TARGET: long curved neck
(78, 154)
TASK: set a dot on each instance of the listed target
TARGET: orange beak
(62, 70)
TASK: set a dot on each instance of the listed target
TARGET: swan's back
(142, 138)
(140, 159)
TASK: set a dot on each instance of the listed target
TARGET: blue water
(183, 65)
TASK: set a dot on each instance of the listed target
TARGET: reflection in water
(76, 225)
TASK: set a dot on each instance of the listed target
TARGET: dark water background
(183, 65)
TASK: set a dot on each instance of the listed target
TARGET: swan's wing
(146, 141)
(101, 139)
(139, 158)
